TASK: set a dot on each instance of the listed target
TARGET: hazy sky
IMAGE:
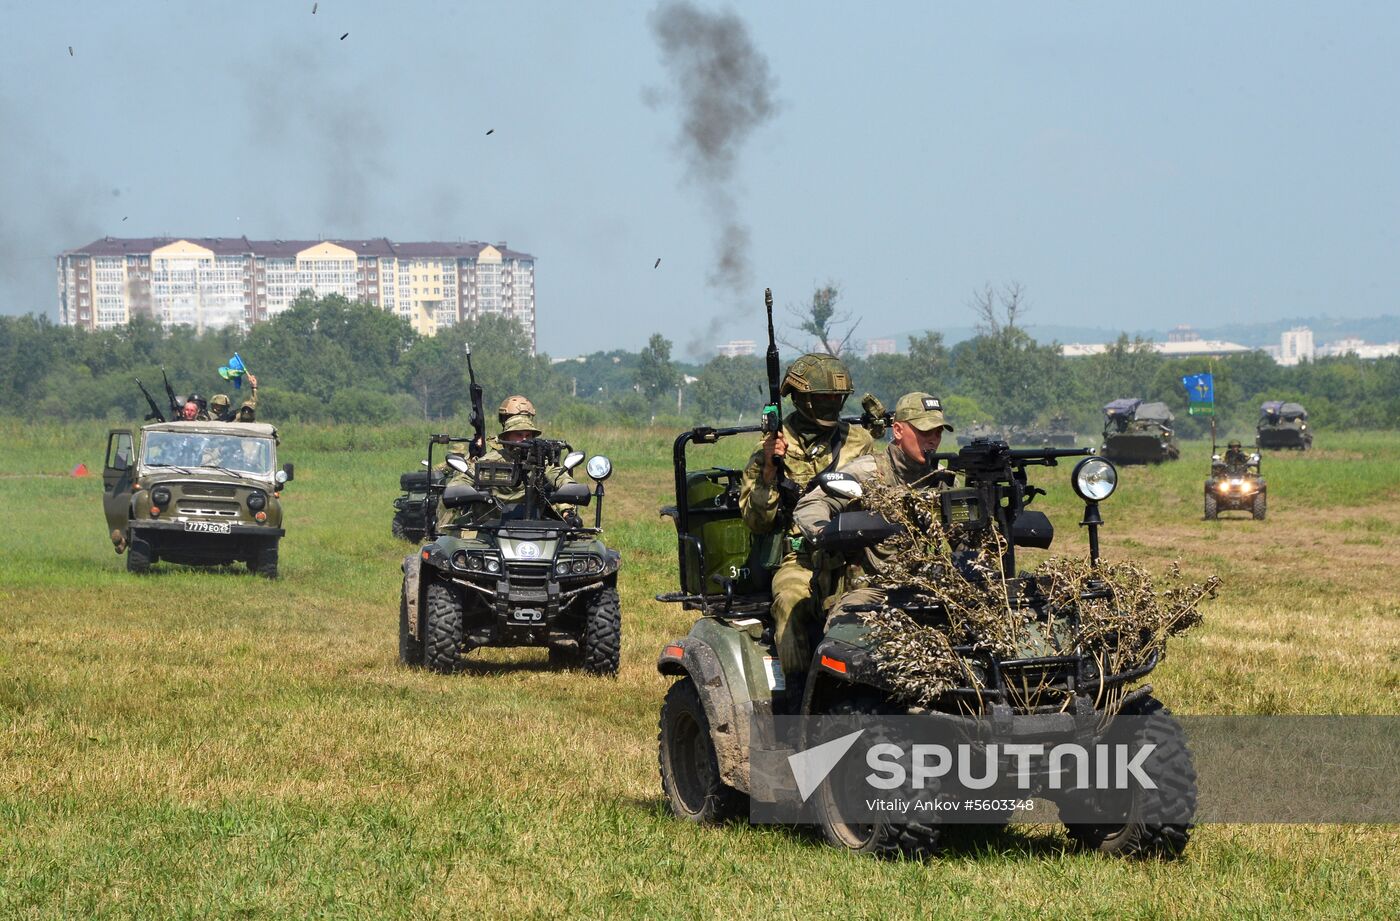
(1130, 166)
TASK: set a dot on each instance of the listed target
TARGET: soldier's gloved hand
(774, 450)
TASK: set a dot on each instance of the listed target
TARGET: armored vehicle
(417, 504)
(522, 571)
(1061, 433)
(1284, 425)
(981, 430)
(1135, 432)
(1235, 485)
(720, 715)
(199, 493)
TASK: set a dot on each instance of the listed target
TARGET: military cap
(921, 410)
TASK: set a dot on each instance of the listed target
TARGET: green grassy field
(207, 744)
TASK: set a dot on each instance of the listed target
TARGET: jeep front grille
(208, 509)
(220, 492)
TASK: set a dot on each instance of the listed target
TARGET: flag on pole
(234, 371)
(1200, 394)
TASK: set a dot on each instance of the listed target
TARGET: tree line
(334, 360)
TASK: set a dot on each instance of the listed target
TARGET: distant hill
(1384, 328)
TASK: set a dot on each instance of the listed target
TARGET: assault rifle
(155, 413)
(772, 420)
(478, 418)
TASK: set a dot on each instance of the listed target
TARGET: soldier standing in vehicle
(916, 434)
(811, 440)
(1235, 458)
(515, 428)
(220, 409)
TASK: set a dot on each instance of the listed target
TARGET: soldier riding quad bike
(720, 716)
(199, 493)
(1235, 484)
(1135, 432)
(416, 506)
(524, 572)
(1283, 425)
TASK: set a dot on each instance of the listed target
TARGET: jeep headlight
(257, 501)
(160, 496)
(1094, 479)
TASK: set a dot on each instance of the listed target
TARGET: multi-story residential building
(212, 282)
(737, 347)
(1296, 345)
(880, 347)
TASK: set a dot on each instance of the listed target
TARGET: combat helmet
(219, 402)
(515, 405)
(815, 381)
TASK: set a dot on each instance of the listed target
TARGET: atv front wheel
(410, 649)
(1212, 508)
(139, 556)
(444, 629)
(917, 840)
(602, 633)
(1260, 507)
(396, 528)
(689, 766)
(1171, 769)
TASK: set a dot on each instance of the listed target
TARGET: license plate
(208, 527)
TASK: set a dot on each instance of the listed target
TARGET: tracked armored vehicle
(1135, 432)
(1283, 425)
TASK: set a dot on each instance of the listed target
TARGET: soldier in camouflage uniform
(917, 432)
(812, 440)
(220, 409)
(515, 428)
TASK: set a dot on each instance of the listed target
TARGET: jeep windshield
(236, 454)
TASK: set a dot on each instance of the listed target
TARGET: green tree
(656, 375)
(830, 329)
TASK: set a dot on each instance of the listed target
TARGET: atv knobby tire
(1172, 770)
(139, 556)
(689, 766)
(1260, 507)
(265, 560)
(443, 619)
(917, 840)
(410, 649)
(397, 528)
(601, 648)
(1212, 508)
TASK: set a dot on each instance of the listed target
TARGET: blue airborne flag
(1200, 394)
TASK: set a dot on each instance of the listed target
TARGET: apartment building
(214, 282)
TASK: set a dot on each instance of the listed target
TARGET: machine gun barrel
(170, 394)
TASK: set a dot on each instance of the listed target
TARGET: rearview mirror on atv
(572, 494)
(459, 495)
(458, 463)
(841, 486)
(572, 460)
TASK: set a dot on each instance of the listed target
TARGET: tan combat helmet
(819, 385)
(218, 404)
(515, 406)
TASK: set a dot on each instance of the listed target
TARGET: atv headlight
(493, 564)
(561, 568)
(599, 467)
(459, 559)
(1094, 479)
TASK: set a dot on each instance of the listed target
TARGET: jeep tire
(264, 561)
(139, 555)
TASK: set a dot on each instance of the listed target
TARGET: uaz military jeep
(720, 714)
(199, 493)
(519, 573)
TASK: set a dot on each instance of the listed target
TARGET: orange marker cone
(80, 470)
